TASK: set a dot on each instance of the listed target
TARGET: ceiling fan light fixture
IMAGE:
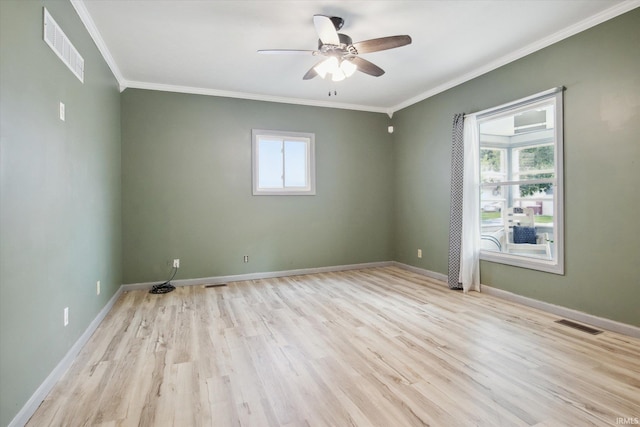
(339, 69)
(329, 66)
(342, 58)
(338, 75)
(348, 68)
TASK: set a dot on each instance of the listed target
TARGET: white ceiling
(209, 47)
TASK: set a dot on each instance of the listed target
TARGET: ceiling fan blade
(367, 67)
(326, 30)
(383, 43)
(287, 52)
(311, 73)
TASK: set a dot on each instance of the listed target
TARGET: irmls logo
(627, 421)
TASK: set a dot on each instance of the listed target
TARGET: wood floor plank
(371, 347)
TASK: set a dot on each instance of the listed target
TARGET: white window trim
(310, 189)
(555, 266)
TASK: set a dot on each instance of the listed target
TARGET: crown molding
(251, 96)
(583, 25)
(86, 19)
(567, 32)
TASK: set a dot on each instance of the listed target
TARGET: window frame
(555, 265)
(306, 137)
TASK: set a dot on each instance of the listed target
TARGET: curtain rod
(517, 103)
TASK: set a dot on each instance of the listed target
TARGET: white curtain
(470, 245)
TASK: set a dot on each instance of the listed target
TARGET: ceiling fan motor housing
(337, 22)
(343, 47)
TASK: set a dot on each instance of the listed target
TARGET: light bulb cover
(338, 75)
(339, 69)
(321, 69)
(327, 66)
(348, 67)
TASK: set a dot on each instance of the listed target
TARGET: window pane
(537, 190)
(492, 203)
(534, 214)
(492, 165)
(521, 184)
(534, 163)
(270, 163)
(283, 163)
(536, 158)
(295, 164)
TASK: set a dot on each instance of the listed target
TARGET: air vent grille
(60, 44)
(215, 285)
(579, 327)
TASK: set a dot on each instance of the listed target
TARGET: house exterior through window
(521, 203)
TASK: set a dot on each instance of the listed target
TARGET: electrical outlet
(176, 263)
(419, 253)
(246, 258)
(98, 287)
(62, 112)
(66, 316)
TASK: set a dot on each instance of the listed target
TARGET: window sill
(549, 266)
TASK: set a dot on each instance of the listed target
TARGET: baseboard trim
(431, 274)
(564, 312)
(34, 402)
(256, 276)
(558, 310)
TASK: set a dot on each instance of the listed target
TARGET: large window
(521, 183)
(283, 163)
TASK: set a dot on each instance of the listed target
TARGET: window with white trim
(283, 163)
(521, 169)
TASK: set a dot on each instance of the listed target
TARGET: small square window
(283, 163)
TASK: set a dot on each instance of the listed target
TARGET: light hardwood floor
(375, 347)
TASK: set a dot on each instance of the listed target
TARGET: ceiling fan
(340, 55)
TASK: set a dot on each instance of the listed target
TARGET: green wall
(59, 196)
(177, 169)
(186, 163)
(600, 69)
